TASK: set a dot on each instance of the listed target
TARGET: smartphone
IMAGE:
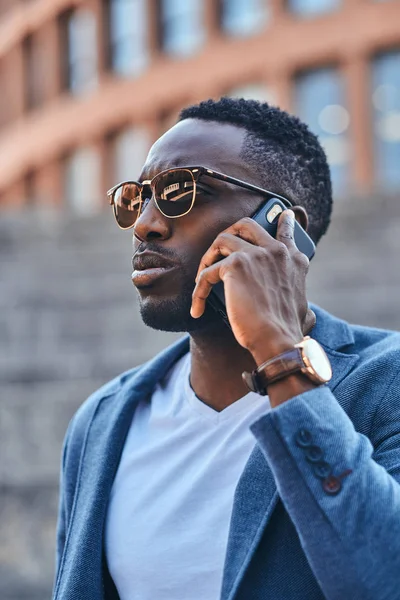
(267, 216)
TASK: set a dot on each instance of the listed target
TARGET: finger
(285, 230)
(223, 246)
(206, 279)
(249, 230)
(246, 230)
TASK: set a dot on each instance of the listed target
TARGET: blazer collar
(330, 331)
(337, 338)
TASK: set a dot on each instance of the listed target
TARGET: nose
(151, 224)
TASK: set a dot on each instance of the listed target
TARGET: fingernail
(290, 214)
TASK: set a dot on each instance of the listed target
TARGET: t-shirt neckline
(243, 404)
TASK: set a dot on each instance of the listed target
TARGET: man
(177, 482)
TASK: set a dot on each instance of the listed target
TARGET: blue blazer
(316, 511)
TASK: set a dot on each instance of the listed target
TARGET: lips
(147, 260)
(148, 267)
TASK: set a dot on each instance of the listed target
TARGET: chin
(173, 314)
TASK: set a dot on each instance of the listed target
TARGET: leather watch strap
(273, 370)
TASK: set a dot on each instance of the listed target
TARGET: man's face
(165, 295)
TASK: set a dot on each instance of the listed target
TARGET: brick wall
(69, 322)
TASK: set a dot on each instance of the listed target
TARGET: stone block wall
(68, 323)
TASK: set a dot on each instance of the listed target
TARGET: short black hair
(284, 152)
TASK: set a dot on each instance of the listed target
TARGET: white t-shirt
(171, 502)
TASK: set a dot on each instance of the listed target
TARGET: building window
(244, 17)
(386, 112)
(182, 26)
(253, 91)
(31, 192)
(82, 181)
(34, 71)
(320, 102)
(80, 42)
(129, 148)
(312, 8)
(128, 36)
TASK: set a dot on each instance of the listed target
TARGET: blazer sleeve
(341, 493)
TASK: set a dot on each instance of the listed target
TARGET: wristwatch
(307, 357)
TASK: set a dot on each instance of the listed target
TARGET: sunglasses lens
(127, 204)
(174, 192)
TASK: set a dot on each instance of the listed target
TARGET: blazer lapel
(254, 501)
(99, 462)
(256, 495)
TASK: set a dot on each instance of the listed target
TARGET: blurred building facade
(86, 87)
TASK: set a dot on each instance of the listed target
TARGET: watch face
(317, 359)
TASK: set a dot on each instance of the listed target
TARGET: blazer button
(314, 454)
(322, 469)
(304, 438)
(332, 485)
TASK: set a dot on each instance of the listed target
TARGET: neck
(217, 365)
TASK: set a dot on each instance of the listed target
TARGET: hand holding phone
(267, 216)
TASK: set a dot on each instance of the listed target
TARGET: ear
(301, 216)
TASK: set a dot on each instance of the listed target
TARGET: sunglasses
(174, 193)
